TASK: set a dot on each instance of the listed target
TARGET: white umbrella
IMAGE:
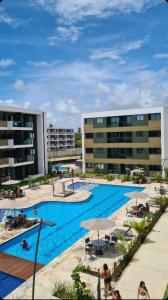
(137, 171)
(136, 195)
(97, 224)
(11, 182)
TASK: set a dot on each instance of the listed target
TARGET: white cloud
(67, 107)
(41, 63)
(8, 20)
(71, 33)
(19, 85)
(8, 102)
(71, 11)
(163, 55)
(26, 104)
(116, 52)
(6, 62)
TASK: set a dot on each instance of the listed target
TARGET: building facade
(23, 149)
(60, 139)
(125, 139)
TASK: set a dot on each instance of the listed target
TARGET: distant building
(23, 150)
(60, 139)
(116, 141)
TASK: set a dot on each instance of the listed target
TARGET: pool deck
(21, 268)
(43, 193)
(60, 269)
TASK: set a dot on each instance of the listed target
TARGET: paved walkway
(150, 264)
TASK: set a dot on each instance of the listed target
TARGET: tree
(140, 228)
(97, 170)
(78, 140)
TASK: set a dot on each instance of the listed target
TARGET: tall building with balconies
(125, 139)
(60, 139)
(23, 149)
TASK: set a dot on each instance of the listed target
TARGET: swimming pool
(105, 200)
(8, 283)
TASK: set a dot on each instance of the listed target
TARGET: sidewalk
(149, 264)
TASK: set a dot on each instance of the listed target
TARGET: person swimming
(35, 211)
(24, 245)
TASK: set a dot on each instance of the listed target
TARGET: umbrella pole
(98, 236)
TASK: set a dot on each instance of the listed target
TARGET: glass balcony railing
(21, 124)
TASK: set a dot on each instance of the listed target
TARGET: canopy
(11, 182)
(136, 195)
(97, 224)
(137, 171)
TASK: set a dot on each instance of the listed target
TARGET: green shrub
(64, 291)
(110, 177)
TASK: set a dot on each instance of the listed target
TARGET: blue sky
(73, 56)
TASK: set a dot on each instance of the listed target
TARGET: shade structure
(10, 182)
(98, 224)
(136, 195)
(137, 171)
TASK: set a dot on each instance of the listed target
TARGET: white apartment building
(60, 139)
(23, 147)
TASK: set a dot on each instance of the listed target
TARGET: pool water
(105, 200)
(8, 283)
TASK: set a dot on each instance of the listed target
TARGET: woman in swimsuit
(106, 274)
(143, 291)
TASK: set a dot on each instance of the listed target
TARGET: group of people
(139, 209)
(142, 292)
(16, 193)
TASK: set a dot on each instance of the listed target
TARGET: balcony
(4, 162)
(15, 125)
(10, 144)
(16, 162)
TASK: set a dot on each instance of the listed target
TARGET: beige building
(120, 140)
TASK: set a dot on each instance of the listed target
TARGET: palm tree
(140, 228)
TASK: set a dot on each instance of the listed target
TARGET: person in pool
(24, 245)
(35, 211)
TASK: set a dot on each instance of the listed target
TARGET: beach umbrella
(136, 195)
(10, 182)
(98, 224)
(137, 171)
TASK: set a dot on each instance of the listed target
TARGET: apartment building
(125, 139)
(23, 149)
(60, 139)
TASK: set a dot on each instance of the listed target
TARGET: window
(155, 151)
(140, 150)
(88, 135)
(89, 165)
(154, 133)
(99, 135)
(89, 150)
(155, 168)
(139, 133)
(88, 121)
(101, 166)
(154, 117)
(99, 120)
(140, 117)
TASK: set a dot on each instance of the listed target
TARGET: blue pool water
(105, 200)
(8, 283)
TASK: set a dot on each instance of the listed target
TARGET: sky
(68, 57)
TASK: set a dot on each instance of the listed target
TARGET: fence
(72, 152)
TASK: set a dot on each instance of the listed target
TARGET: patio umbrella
(137, 171)
(10, 182)
(98, 224)
(136, 195)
